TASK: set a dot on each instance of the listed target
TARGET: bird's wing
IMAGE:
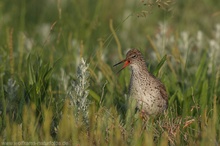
(163, 91)
(161, 88)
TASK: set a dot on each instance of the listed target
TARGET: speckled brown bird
(149, 92)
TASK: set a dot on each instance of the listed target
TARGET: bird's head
(133, 58)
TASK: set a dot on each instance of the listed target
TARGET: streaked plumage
(149, 92)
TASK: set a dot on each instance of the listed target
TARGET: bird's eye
(134, 56)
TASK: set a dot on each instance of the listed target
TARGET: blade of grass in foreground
(156, 71)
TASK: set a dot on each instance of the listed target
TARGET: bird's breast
(145, 91)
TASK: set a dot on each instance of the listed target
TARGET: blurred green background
(88, 21)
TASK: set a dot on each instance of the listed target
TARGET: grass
(58, 86)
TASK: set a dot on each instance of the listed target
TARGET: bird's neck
(139, 69)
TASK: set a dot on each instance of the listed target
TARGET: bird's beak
(126, 63)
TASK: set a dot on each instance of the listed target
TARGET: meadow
(58, 85)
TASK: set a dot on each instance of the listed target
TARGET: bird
(148, 91)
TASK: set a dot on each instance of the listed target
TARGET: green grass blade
(160, 64)
(204, 96)
(94, 95)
